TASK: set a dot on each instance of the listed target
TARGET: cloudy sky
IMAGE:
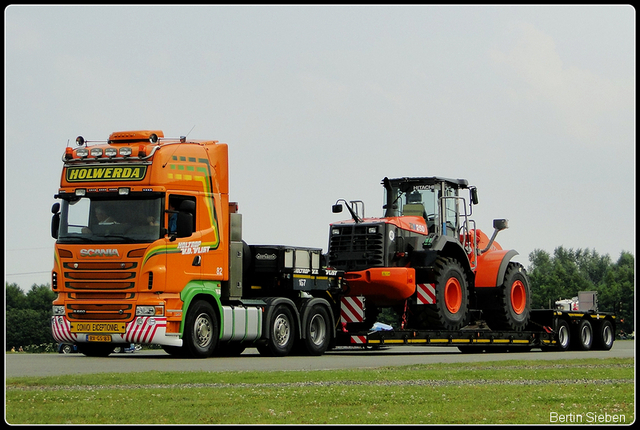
(534, 105)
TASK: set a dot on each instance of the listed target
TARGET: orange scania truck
(149, 250)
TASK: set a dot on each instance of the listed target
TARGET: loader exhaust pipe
(498, 225)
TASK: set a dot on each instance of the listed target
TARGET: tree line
(566, 272)
(28, 316)
(556, 276)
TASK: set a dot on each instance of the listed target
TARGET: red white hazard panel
(352, 309)
(359, 340)
(426, 294)
(144, 329)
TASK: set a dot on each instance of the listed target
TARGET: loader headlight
(58, 310)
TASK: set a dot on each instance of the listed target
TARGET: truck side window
(174, 204)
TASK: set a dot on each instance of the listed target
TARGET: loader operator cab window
(420, 200)
(105, 218)
(435, 202)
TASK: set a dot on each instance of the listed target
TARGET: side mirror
(474, 195)
(55, 220)
(500, 224)
(336, 209)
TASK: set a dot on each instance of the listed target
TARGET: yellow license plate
(98, 338)
(97, 327)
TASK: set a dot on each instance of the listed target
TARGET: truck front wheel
(95, 349)
(202, 330)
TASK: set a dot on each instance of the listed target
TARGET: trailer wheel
(603, 339)
(564, 335)
(317, 331)
(583, 336)
(281, 333)
(451, 309)
(514, 297)
(201, 330)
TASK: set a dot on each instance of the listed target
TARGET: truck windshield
(99, 218)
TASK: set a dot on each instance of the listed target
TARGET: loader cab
(436, 199)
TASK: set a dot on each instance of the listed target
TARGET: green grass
(514, 392)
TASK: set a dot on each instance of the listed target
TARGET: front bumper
(145, 330)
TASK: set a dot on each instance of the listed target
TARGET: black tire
(201, 331)
(582, 337)
(95, 349)
(563, 335)
(316, 331)
(175, 351)
(66, 349)
(230, 349)
(451, 310)
(514, 298)
(603, 336)
(466, 349)
(282, 333)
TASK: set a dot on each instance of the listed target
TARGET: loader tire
(451, 310)
(514, 301)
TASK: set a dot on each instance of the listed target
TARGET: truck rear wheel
(603, 336)
(281, 333)
(451, 309)
(201, 330)
(317, 331)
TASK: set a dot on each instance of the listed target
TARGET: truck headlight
(58, 310)
(149, 311)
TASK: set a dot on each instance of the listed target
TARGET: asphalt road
(18, 364)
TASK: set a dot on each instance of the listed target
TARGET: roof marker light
(142, 151)
(68, 153)
(82, 152)
(96, 152)
(110, 152)
(125, 151)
